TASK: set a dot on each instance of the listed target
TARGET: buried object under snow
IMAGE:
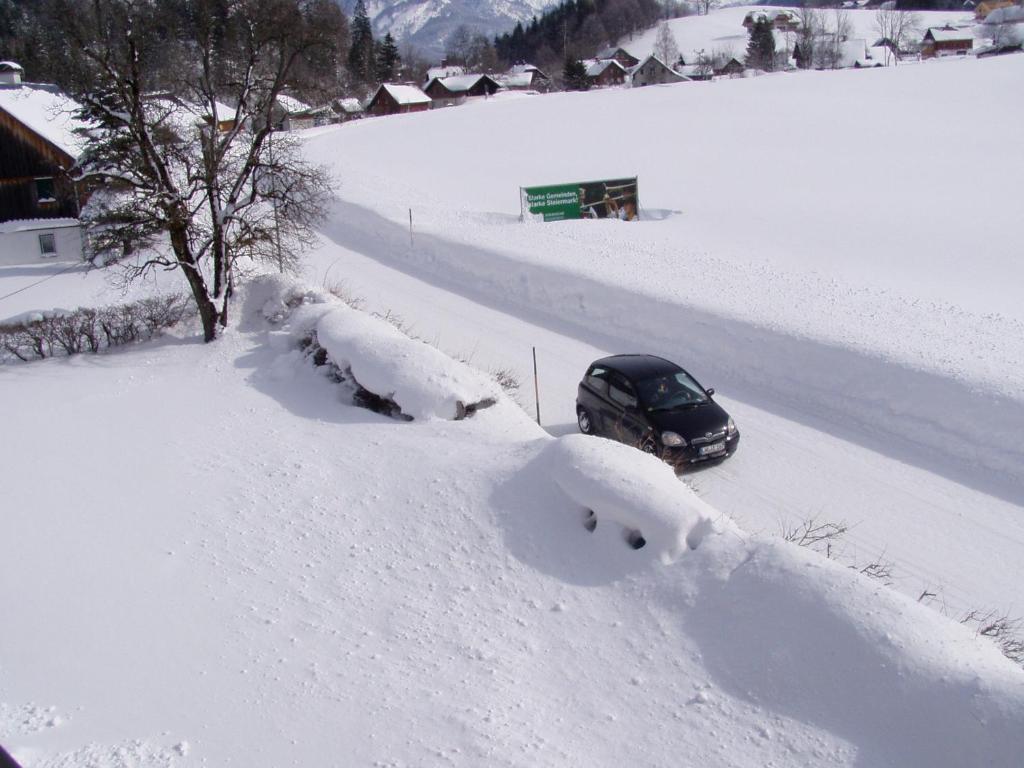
(637, 490)
(390, 367)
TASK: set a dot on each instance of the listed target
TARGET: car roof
(638, 366)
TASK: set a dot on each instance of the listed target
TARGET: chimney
(10, 73)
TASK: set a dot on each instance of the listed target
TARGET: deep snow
(256, 572)
(210, 557)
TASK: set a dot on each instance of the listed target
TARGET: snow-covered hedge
(39, 335)
(424, 382)
(633, 488)
(419, 379)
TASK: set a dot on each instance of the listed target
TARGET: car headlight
(730, 427)
(672, 440)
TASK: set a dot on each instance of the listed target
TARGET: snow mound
(633, 488)
(424, 382)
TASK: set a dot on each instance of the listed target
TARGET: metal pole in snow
(536, 385)
(410, 227)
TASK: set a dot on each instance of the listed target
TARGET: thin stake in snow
(410, 227)
(536, 385)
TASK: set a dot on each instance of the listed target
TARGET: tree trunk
(208, 314)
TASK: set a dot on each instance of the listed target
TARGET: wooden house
(392, 99)
(731, 68)
(603, 73)
(621, 55)
(782, 21)
(38, 150)
(445, 91)
(946, 41)
(653, 71)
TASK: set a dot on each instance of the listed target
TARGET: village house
(603, 73)
(653, 71)
(446, 91)
(983, 9)
(731, 68)
(290, 114)
(393, 99)
(39, 199)
(783, 21)
(625, 59)
(444, 70)
(946, 41)
(347, 109)
(525, 77)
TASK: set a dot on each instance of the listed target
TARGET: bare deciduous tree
(198, 185)
(895, 26)
(665, 46)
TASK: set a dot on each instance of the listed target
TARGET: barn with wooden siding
(653, 71)
(37, 151)
(946, 41)
(39, 199)
(604, 73)
(626, 59)
(444, 91)
(391, 99)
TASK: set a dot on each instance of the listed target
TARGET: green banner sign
(611, 198)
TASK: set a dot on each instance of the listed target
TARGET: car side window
(597, 379)
(621, 391)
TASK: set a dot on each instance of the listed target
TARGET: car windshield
(671, 391)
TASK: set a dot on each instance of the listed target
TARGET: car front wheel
(583, 418)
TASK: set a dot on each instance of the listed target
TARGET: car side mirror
(710, 391)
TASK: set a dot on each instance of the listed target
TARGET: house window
(48, 244)
(44, 189)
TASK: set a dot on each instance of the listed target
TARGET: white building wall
(19, 242)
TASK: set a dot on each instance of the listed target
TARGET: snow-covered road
(963, 544)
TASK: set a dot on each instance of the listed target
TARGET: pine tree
(360, 55)
(761, 47)
(575, 75)
(388, 59)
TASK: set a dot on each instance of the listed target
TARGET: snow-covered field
(722, 31)
(209, 557)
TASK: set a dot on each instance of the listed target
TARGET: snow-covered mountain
(428, 23)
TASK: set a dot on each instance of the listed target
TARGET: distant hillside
(428, 23)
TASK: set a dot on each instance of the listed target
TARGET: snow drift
(638, 490)
(424, 382)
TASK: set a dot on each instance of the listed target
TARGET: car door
(593, 395)
(624, 421)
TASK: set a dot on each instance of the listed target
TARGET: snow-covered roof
(29, 225)
(520, 69)
(516, 79)
(291, 105)
(653, 58)
(596, 66)
(224, 112)
(350, 105)
(754, 16)
(46, 112)
(459, 83)
(948, 35)
(11, 66)
(610, 51)
(406, 94)
(447, 71)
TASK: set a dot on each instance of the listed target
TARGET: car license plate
(707, 450)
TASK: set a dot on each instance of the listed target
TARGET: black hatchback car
(655, 405)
